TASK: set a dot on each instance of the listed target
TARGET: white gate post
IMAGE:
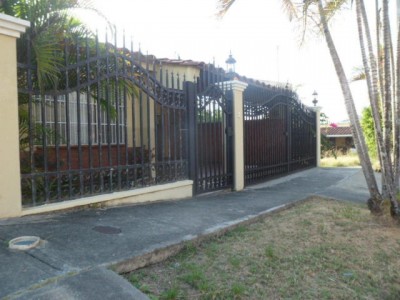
(10, 184)
(317, 110)
(238, 88)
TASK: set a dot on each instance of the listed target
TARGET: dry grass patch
(322, 249)
(348, 160)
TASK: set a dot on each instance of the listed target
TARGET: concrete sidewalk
(78, 247)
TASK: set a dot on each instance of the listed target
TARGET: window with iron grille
(86, 121)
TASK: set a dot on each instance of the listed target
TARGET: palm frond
(223, 7)
(332, 7)
(290, 8)
(48, 60)
(358, 77)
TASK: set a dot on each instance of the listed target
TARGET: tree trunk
(372, 82)
(374, 203)
(397, 116)
(387, 41)
(381, 81)
(387, 93)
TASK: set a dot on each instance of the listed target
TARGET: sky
(257, 32)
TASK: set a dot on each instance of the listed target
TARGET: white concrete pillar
(10, 182)
(238, 88)
(317, 110)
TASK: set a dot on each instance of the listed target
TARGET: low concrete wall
(170, 191)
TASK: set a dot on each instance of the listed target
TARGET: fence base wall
(170, 191)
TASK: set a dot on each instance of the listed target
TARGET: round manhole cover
(24, 242)
(107, 229)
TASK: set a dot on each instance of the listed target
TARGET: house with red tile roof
(340, 136)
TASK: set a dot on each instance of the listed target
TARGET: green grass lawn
(321, 249)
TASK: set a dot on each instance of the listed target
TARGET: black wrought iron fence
(280, 133)
(109, 119)
(212, 130)
(103, 118)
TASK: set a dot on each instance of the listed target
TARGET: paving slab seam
(43, 261)
(159, 254)
(42, 283)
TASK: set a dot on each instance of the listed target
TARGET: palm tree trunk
(381, 81)
(397, 123)
(378, 43)
(372, 82)
(387, 41)
(387, 93)
(375, 201)
(396, 149)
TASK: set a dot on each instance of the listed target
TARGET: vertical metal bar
(67, 119)
(99, 115)
(213, 175)
(155, 124)
(133, 103)
(170, 133)
(117, 115)
(173, 131)
(141, 125)
(45, 149)
(156, 135)
(170, 138)
(57, 146)
(108, 116)
(176, 131)
(32, 124)
(190, 94)
(78, 105)
(184, 132)
(148, 120)
(89, 114)
(200, 127)
(141, 122)
(125, 111)
(163, 127)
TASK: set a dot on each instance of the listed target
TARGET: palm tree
(43, 44)
(376, 200)
(51, 22)
(389, 170)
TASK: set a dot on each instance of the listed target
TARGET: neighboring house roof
(181, 62)
(343, 131)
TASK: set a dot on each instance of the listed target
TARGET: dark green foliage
(367, 124)
(327, 147)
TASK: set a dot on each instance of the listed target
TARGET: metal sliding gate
(280, 133)
(210, 132)
(109, 122)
